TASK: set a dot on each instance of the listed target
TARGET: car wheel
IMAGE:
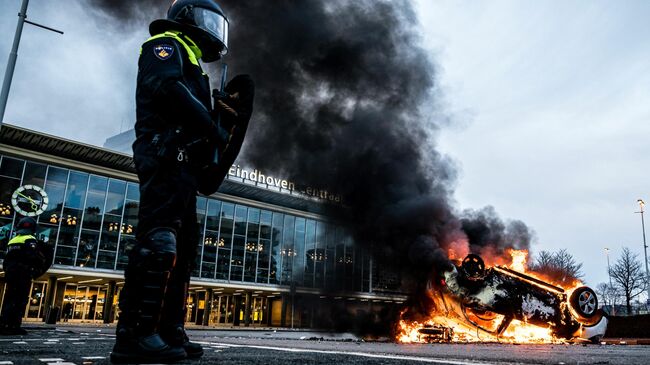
(584, 302)
(473, 267)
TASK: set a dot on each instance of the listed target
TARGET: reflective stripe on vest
(193, 52)
(20, 239)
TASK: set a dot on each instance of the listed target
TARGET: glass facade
(92, 219)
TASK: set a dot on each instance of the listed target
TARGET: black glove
(238, 96)
(226, 103)
(235, 103)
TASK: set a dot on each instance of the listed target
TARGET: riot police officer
(24, 261)
(183, 144)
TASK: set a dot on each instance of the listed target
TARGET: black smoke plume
(342, 85)
(489, 235)
(347, 102)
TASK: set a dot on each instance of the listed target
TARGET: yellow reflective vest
(21, 239)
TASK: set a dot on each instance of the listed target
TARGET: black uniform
(176, 139)
(182, 146)
(173, 112)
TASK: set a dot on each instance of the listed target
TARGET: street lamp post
(609, 270)
(611, 287)
(13, 55)
(645, 251)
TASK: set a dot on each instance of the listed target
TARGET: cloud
(557, 94)
(79, 85)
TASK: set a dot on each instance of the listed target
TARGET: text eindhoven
(257, 176)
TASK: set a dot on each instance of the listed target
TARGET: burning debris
(503, 303)
(435, 333)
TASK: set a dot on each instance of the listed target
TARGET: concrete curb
(625, 341)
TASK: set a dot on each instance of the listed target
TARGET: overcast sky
(549, 105)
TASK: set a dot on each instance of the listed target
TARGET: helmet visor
(215, 24)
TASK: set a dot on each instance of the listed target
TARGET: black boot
(177, 337)
(141, 301)
(131, 348)
(6, 330)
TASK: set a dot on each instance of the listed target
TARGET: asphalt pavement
(87, 345)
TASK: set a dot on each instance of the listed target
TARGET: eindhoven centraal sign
(257, 176)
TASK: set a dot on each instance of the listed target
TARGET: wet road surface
(92, 345)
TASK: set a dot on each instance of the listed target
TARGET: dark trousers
(19, 280)
(168, 201)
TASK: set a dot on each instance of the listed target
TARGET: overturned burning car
(498, 303)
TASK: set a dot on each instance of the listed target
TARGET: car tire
(584, 302)
(473, 268)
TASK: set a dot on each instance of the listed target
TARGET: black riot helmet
(202, 20)
(26, 225)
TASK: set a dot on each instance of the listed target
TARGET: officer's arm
(162, 74)
(194, 114)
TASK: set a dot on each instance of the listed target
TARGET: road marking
(56, 359)
(57, 340)
(362, 354)
(6, 363)
(14, 339)
(61, 363)
(20, 343)
(93, 357)
(78, 343)
(213, 344)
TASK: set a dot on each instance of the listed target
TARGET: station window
(93, 221)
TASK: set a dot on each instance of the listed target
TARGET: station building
(267, 255)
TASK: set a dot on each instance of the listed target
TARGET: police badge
(163, 51)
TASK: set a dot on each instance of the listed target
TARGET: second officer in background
(27, 258)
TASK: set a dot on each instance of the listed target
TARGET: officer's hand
(227, 103)
(235, 103)
(243, 90)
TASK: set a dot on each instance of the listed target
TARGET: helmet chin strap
(209, 50)
(201, 46)
(211, 56)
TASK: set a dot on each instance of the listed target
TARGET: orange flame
(462, 331)
(519, 260)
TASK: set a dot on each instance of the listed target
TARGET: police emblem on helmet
(163, 51)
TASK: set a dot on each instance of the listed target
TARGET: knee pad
(161, 240)
(157, 251)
